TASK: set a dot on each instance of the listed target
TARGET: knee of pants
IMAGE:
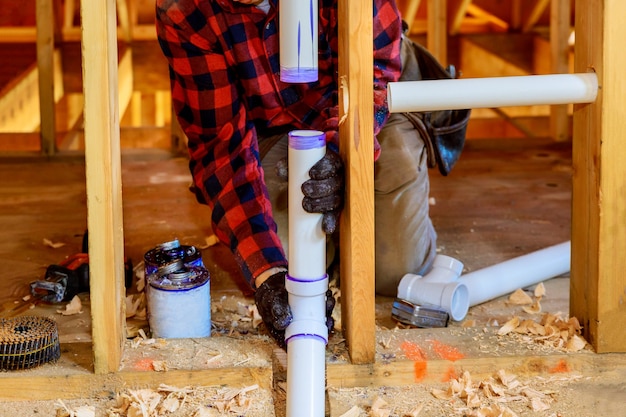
(405, 237)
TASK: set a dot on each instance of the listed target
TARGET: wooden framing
(560, 15)
(357, 147)
(598, 282)
(45, 63)
(104, 183)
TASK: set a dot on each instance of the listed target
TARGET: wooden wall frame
(598, 283)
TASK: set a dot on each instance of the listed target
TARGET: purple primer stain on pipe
(300, 73)
(299, 43)
(306, 139)
(312, 23)
(294, 279)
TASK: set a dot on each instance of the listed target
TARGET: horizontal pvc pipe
(307, 283)
(298, 42)
(521, 272)
(444, 287)
(473, 93)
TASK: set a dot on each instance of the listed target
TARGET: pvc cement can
(169, 252)
(179, 303)
(178, 291)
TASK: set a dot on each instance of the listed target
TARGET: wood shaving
(53, 245)
(540, 290)
(159, 366)
(535, 308)
(380, 408)
(487, 398)
(353, 412)
(519, 297)
(168, 399)
(551, 330)
(81, 411)
(75, 306)
(209, 241)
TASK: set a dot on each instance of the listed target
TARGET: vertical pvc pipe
(306, 282)
(298, 41)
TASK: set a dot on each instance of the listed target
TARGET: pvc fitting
(307, 300)
(439, 287)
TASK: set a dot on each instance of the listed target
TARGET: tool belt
(443, 131)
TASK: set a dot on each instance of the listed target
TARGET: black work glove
(330, 305)
(272, 301)
(323, 193)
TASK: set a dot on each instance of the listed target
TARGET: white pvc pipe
(439, 287)
(473, 93)
(306, 283)
(298, 41)
(444, 287)
(521, 272)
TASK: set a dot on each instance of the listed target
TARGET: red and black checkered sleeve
(387, 65)
(222, 142)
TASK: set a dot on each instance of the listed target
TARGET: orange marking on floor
(450, 375)
(560, 368)
(146, 364)
(446, 352)
(415, 353)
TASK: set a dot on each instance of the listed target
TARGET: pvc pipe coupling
(440, 287)
(307, 300)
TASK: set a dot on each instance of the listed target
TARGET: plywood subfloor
(504, 199)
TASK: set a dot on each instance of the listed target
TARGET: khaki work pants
(405, 237)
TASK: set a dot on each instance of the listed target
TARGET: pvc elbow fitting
(439, 287)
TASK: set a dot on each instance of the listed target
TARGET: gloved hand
(323, 193)
(272, 301)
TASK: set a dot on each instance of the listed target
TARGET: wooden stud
(458, 9)
(409, 11)
(45, 65)
(68, 15)
(437, 36)
(535, 14)
(560, 29)
(357, 148)
(123, 16)
(104, 185)
(598, 282)
(516, 15)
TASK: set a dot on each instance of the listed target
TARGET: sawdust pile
(173, 401)
(501, 395)
(551, 330)
(488, 398)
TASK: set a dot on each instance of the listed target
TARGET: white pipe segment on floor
(521, 272)
(298, 49)
(444, 287)
(307, 283)
(474, 93)
(440, 287)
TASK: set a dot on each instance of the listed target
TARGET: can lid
(181, 279)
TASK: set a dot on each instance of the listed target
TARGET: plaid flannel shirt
(224, 68)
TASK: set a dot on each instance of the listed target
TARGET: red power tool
(63, 281)
(69, 278)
